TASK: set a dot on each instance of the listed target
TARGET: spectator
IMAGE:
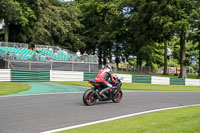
(85, 53)
(50, 49)
(85, 57)
(65, 52)
(8, 55)
(14, 56)
(46, 48)
(55, 52)
(78, 54)
(34, 57)
(47, 57)
(37, 49)
(95, 57)
(40, 56)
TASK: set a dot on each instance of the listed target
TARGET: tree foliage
(117, 29)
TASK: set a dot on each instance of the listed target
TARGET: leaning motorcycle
(92, 95)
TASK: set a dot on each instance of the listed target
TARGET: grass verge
(11, 87)
(142, 86)
(171, 75)
(183, 120)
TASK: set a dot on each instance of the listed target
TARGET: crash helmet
(110, 66)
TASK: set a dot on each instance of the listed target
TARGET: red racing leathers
(102, 79)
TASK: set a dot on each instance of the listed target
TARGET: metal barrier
(33, 76)
(53, 65)
(13, 44)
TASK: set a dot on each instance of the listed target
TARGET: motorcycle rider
(102, 78)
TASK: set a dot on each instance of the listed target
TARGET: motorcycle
(91, 95)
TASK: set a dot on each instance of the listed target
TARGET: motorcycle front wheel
(89, 97)
(118, 97)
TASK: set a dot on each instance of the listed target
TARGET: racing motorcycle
(91, 95)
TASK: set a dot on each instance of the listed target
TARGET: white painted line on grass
(115, 118)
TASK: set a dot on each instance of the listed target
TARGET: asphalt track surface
(38, 113)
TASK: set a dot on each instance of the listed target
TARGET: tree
(56, 24)
(9, 12)
(102, 26)
(182, 16)
(195, 35)
(24, 28)
(163, 25)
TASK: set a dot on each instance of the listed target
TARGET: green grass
(171, 75)
(184, 120)
(153, 87)
(11, 87)
(142, 86)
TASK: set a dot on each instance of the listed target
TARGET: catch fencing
(53, 65)
(13, 44)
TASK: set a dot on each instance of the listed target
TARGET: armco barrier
(141, 79)
(125, 77)
(89, 75)
(29, 76)
(66, 75)
(192, 82)
(160, 80)
(177, 81)
(4, 74)
(53, 75)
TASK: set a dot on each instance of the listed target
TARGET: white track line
(114, 118)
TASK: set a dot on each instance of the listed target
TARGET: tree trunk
(199, 61)
(183, 59)
(116, 56)
(110, 56)
(100, 59)
(139, 64)
(165, 58)
(6, 30)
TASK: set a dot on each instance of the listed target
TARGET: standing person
(34, 57)
(14, 56)
(78, 54)
(102, 78)
(85, 56)
(95, 57)
(8, 55)
(40, 56)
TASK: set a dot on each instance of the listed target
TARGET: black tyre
(118, 97)
(89, 97)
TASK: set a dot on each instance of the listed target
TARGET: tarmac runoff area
(23, 113)
(38, 88)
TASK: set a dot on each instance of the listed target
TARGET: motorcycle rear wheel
(118, 97)
(89, 97)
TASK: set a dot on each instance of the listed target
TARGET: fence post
(89, 67)
(72, 66)
(29, 64)
(51, 65)
(8, 64)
